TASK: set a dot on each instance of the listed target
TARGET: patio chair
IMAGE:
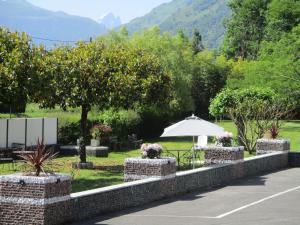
(202, 142)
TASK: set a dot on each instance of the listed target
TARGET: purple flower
(151, 150)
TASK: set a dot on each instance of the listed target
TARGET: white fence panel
(16, 131)
(50, 131)
(3, 130)
(34, 131)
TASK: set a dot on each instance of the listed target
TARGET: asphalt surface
(271, 199)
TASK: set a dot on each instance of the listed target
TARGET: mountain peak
(110, 21)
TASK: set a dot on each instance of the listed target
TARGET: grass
(89, 179)
(290, 130)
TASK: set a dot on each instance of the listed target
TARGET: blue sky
(95, 9)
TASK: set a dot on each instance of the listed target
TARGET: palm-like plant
(39, 158)
(274, 131)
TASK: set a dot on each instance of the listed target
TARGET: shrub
(38, 159)
(69, 132)
(153, 122)
(274, 131)
(101, 132)
(122, 122)
(151, 151)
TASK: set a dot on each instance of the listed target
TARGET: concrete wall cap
(161, 161)
(214, 147)
(15, 178)
(274, 141)
(31, 201)
(114, 187)
(265, 155)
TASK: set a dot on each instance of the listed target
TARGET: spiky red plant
(274, 131)
(39, 158)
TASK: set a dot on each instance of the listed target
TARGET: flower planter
(95, 142)
(265, 146)
(219, 155)
(34, 200)
(138, 168)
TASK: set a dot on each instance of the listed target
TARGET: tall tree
(282, 17)
(245, 28)
(209, 76)
(277, 67)
(16, 69)
(106, 76)
(197, 45)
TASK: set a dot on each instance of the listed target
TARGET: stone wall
(83, 205)
(122, 196)
(294, 159)
(217, 154)
(265, 146)
(34, 200)
(137, 168)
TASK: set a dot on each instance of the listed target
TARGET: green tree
(245, 28)
(208, 78)
(175, 55)
(16, 70)
(282, 17)
(249, 109)
(278, 67)
(197, 45)
(95, 74)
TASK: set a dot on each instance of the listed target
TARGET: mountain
(110, 21)
(186, 15)
(37, 22)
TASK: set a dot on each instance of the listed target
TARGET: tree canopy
(97, 74)
(16, 68)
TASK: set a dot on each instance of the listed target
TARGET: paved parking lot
(271, 199)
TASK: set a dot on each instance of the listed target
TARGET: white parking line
(171, 216)
(222, 215)
(257, 202)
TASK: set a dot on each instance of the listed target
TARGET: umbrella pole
(193, 149)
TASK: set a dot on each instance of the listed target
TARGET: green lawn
(89, 179)
(290, 130)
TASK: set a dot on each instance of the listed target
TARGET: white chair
(202, 142)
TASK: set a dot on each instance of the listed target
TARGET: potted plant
(225, 140)
(271, 142)
(36, 184)
(99, 132)
(151, 151)
(223, 151)
(150, 164)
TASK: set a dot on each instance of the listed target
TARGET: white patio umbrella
(191, 127)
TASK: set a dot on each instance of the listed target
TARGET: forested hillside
(206, 15)
(20, 15)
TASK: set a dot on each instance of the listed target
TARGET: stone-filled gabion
(34, 200)
(218, 154)
(265, 146)
(138, 168)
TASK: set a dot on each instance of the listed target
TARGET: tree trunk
(83, 124)
(240, 131)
